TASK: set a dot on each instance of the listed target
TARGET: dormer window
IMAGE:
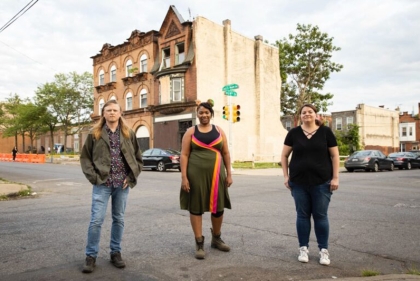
(179, 53)
(166, 55)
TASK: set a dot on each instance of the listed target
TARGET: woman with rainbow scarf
(206, 176)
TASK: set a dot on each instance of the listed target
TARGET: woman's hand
(334, 184)
(286, 182)
(228, 181)
(185, 185)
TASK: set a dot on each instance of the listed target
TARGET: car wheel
(161, 167)
(349, 170)
(376, 167)
(392, 167)
(408, 166)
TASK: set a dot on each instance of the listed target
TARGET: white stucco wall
(228, 57)
(378, 126)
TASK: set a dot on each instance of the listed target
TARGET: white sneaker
(324, 257)
(303, 255)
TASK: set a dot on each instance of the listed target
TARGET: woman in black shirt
(311, 176)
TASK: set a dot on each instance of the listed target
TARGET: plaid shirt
(119, 168)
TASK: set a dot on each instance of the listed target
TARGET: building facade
(158, 77)
(378, 127)
(409, 131)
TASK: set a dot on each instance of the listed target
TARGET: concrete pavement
(6, 187)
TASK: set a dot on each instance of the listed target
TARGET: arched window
(113, 98)
(128, 68)
(101, 105)
(143, 98)
(143, 63)
(129, 101)
(101, 77)
(113, 74)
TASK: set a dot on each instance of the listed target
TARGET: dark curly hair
(208, 106)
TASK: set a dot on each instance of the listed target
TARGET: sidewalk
(7, 188)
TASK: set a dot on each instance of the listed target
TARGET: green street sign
(230, 87)
(231, 93)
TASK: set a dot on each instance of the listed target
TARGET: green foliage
(348, 141)
(68, 101)
(369, 272)
(305, 66)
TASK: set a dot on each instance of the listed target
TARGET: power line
(18, 15)
(27, 56)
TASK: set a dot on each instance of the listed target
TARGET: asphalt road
(374, 225)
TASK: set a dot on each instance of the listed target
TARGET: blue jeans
(100, 196)
(312, 200)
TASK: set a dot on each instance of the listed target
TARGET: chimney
(382, 106)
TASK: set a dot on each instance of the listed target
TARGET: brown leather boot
(217, 242)
(199, 248)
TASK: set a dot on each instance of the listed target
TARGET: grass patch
(370, 272)
(17, 195)
(248, 165)
(413, 271)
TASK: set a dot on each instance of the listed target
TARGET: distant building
(288, 121)
(378, 127)
(158, 77)
(409, 131)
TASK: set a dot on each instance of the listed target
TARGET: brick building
(158, 76)
(409, 131)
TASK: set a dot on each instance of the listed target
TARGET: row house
(378, 127)
(158, 77)
(288, 120)
(409, 131)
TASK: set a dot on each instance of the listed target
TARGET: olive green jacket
(96, 158)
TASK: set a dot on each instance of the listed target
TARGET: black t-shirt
(311, 162)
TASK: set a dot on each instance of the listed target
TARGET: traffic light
(226, 112)
(236, 113)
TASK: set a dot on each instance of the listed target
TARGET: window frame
(129, 106)
(143, 92)
(143, 63)
(175, 80)
(166, 57)
(101, 77)
(338, 121)
(179, 57)
(128, 67)
(113, 74)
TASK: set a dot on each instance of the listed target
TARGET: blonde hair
(97, 129)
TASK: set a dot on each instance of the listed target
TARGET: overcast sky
(379, 39)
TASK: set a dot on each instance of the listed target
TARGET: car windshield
(397, 154)
(171, 151)
(361, 153)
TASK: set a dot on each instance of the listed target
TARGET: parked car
(417, 152)
(368, 160)
(161, 159)
(405, 160)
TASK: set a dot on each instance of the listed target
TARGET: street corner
(10, 190)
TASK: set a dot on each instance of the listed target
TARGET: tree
(348, 141)
(8, 121)
(69, 100)
(305, 66)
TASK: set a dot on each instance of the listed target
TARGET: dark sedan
(368, 160)
(405, 160)
(161, 159)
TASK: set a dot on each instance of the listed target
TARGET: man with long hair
(111, 161)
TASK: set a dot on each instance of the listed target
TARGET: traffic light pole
(230, 128)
